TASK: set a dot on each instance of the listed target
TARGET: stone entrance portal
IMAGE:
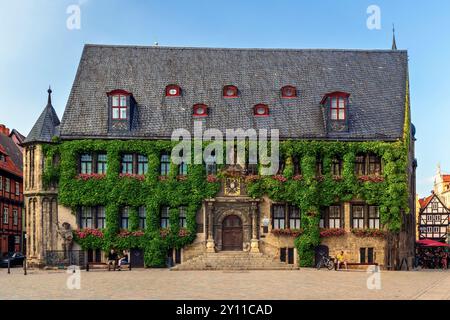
(232, 234)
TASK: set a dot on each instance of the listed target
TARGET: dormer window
(119, 104)
(173, 91)
(200, 110)
(261, 110)
(338, 105)
(230, 92)
(288, 92)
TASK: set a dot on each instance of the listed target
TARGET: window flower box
(182, 177)
(334, 232)
(287, 232)
(211, 178)
(183, 232)
(338, 178)
(297, 177)
(84, 233)
(91, 176)
(139, 177)
(280, 178)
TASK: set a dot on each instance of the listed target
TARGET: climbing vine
(307, 190)
(114, 191)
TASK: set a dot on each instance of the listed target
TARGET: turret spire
(394, 43)
(49, 102)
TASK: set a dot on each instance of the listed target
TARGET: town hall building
(103, 176)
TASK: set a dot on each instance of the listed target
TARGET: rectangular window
(334, 217)
(362, 255)
(142, 218)
(165, 217)
(360, 165)
(358, 217)
(5, 215)
(294, 217)
(17, 189)
(127, 164)
(102, 163)
(101, 218)
(86, 218)
(165, 164)
(7, 185)
(336, 167)
(17, 239)
(279, 217)
(182, 216)
(182, 169)
(142, 164)
(319, 167)
(434, 206)
(86, 164)
(15, 217)
(283, 254)
(374, 165)
(124, 218)
(337, 108)
(119, 107)
(290, 255)
(374, 217)
(323, 214)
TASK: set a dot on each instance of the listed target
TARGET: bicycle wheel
(330, 265)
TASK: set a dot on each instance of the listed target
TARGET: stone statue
(67, 235)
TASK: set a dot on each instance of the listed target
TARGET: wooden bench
(104, 266)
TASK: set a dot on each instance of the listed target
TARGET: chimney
(4, 130)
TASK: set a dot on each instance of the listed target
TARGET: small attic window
(230, 92)
(200, 110)
(338, 104)
(119, 104)
(261, 110)
(288, 92)
(173, 91)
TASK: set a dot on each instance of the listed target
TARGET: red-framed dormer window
(261, 110)
(288, 92)
(338, 104)
(200, 110)
(173, 91)
(230, 92)
(119, 104)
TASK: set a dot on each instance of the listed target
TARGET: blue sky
(37, 48)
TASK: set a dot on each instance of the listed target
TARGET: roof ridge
(159, 47)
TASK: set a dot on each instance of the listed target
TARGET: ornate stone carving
(67, 235)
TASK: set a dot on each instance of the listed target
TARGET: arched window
(173, 90)
(119, 104)
(230, 92)
(338, 104)
(200, 110)
(261, 110)
(288, 92)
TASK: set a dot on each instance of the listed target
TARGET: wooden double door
(232, 234)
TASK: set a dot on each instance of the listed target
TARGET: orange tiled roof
(425, 201)
(446, 177)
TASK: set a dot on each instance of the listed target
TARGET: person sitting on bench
(124, 259)
(112, 258)
(340, 258)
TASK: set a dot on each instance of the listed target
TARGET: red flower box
(252, 178)
(211, 178)
(182, 178)
(280, 178)
(287, 232)
(334, 232)
(297, 177)
(140, 177)
(94, 176)
(338, 178)
(83, 233)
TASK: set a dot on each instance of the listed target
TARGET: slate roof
(47, 125)
(14, 157)
(375, 79)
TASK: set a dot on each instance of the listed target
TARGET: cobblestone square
(258, 285)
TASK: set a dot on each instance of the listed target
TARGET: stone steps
(234, 260)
